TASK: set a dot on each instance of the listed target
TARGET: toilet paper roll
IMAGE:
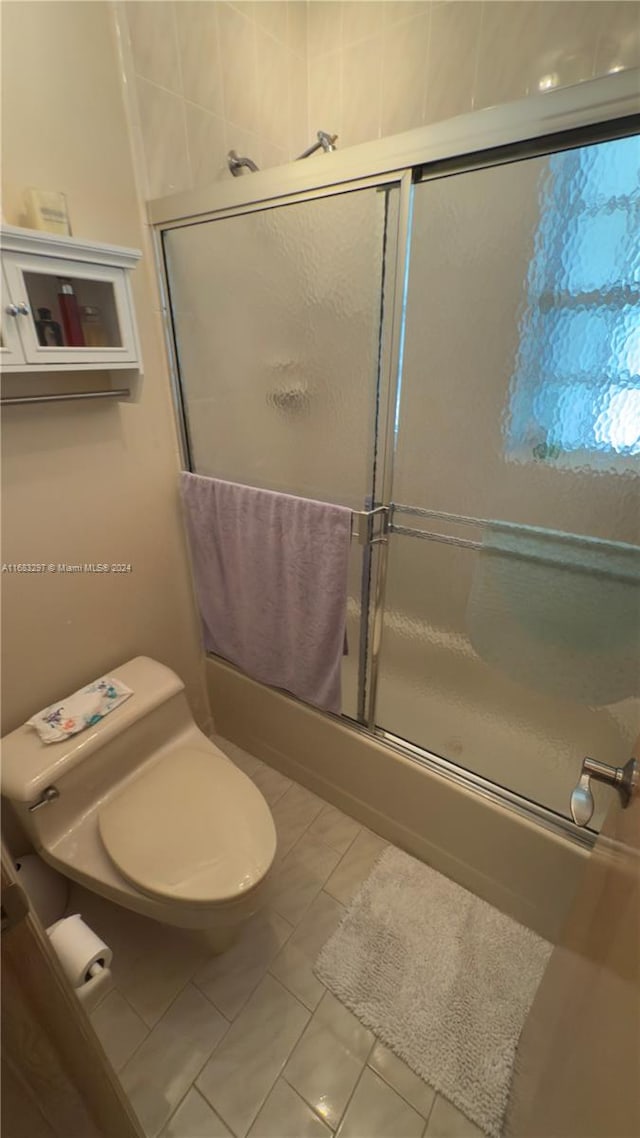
(78, 948)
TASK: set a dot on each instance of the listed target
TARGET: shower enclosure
(446, 337)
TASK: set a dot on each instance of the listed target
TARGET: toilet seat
(190, 827)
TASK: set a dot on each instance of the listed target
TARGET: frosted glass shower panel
(277, 321)
(498, 660)
(280, 319)
(521, 379)
(511, 641)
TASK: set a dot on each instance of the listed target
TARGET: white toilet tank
(84, 768)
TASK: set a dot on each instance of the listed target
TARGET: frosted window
(576, 386)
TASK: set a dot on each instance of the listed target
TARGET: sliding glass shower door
(280, 318)
(474, 375)
(511, 626)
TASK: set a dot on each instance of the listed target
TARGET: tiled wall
(264, 76)
(209, 77)
(380, 68)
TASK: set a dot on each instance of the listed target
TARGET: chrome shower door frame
(390, 330)
(601, 108)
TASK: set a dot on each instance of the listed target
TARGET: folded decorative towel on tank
(80, 710)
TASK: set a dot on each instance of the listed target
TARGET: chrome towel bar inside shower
(576, 541)
(363, 525)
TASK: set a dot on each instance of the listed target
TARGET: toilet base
(221, 940)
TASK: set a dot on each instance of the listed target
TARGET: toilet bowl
(146, 810)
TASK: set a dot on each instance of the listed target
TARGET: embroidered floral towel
(80, 710)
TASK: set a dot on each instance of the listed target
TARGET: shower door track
(592, 111)
(492, 791)
(452, 772)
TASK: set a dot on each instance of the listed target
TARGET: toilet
(144, 809)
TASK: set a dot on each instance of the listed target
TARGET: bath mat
(441, 977)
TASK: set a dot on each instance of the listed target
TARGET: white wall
(86, 482)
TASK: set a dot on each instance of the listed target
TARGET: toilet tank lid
(29, 765)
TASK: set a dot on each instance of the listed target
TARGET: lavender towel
(271, 580)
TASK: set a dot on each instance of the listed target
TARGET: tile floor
(250, 1043)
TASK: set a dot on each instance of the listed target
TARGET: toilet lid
(190, 827)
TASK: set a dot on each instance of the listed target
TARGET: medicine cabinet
(67, 304)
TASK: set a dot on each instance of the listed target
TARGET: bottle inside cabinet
(48, 330)
(92, 327)
(70, 313)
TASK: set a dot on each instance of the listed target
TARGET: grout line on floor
(356, 1085)
(433, 1103)
(149, 1029)
(192, 1084)
(278, 1075)
(381, 1075)
(192, 1087)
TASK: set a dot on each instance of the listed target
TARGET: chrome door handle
(582, 804)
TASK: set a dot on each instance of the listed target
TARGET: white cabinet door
(90, 324)
(11, 353)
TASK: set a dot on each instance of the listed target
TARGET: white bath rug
(441, 977)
